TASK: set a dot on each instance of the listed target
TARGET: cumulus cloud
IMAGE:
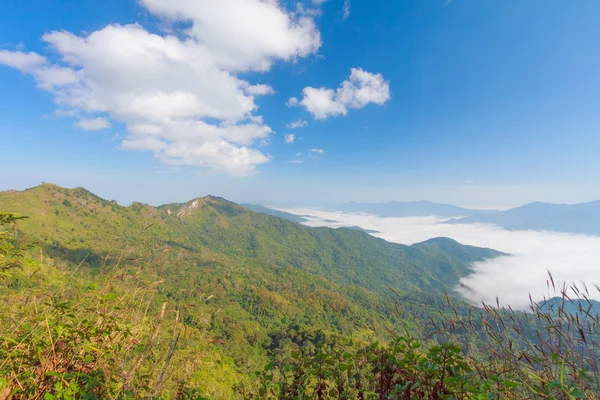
(299, 123)
(93, 124)
(180, 95)
(360, 89)
(289, 138)
(317, 151)
(569, 257)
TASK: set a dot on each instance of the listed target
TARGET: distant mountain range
(275, 213)
(576, 218)
(408, 209)
(294, 217)
(581, 218)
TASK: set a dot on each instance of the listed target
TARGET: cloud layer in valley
(569, 257)
(179, 94)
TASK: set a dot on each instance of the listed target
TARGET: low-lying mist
(569, 257)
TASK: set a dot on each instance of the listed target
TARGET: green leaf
(577, 393)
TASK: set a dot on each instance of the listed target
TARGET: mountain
(247, 285)
(577, 218)
(358, 228)
(75, 219)
(408, 209)
(206, 299)
(274, 213)
(570, 306)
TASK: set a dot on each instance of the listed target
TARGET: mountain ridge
(76, 217)
(421, 208)
(582, 218)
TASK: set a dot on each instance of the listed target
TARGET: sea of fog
(571, 258)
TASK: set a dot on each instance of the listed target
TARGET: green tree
(11, 253)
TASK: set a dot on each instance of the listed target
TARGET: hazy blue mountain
(576, 218)
(274, 213)
(573, 306)
(408, 209)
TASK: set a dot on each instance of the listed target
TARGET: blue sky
(469, 102)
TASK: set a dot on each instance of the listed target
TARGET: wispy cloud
(299, 123)
(317, 151)
(296, 162)
(290, 138)
(93, 124)
(346, 9)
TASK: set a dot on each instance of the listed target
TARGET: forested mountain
(408, 209)
(76, 221)
(573, 218)
(189, 300)
(267, 274)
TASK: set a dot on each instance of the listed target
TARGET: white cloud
(290, 138)
(317, 151)
(243, 34)
(322, 103)
(179, 95)
(297, 124)
(346, 9)
(22, 61)
(65, 113)
(296, 162)
(298, 154)
(569, 257)
(292, 102)
(259, 90)
(360, 89)
(93, 124)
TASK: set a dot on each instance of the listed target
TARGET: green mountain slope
(190, 300)
(248, 285)
(76, 220)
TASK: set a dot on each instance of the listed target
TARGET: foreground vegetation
(122, 303)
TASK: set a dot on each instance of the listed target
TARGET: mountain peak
(216, 203)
